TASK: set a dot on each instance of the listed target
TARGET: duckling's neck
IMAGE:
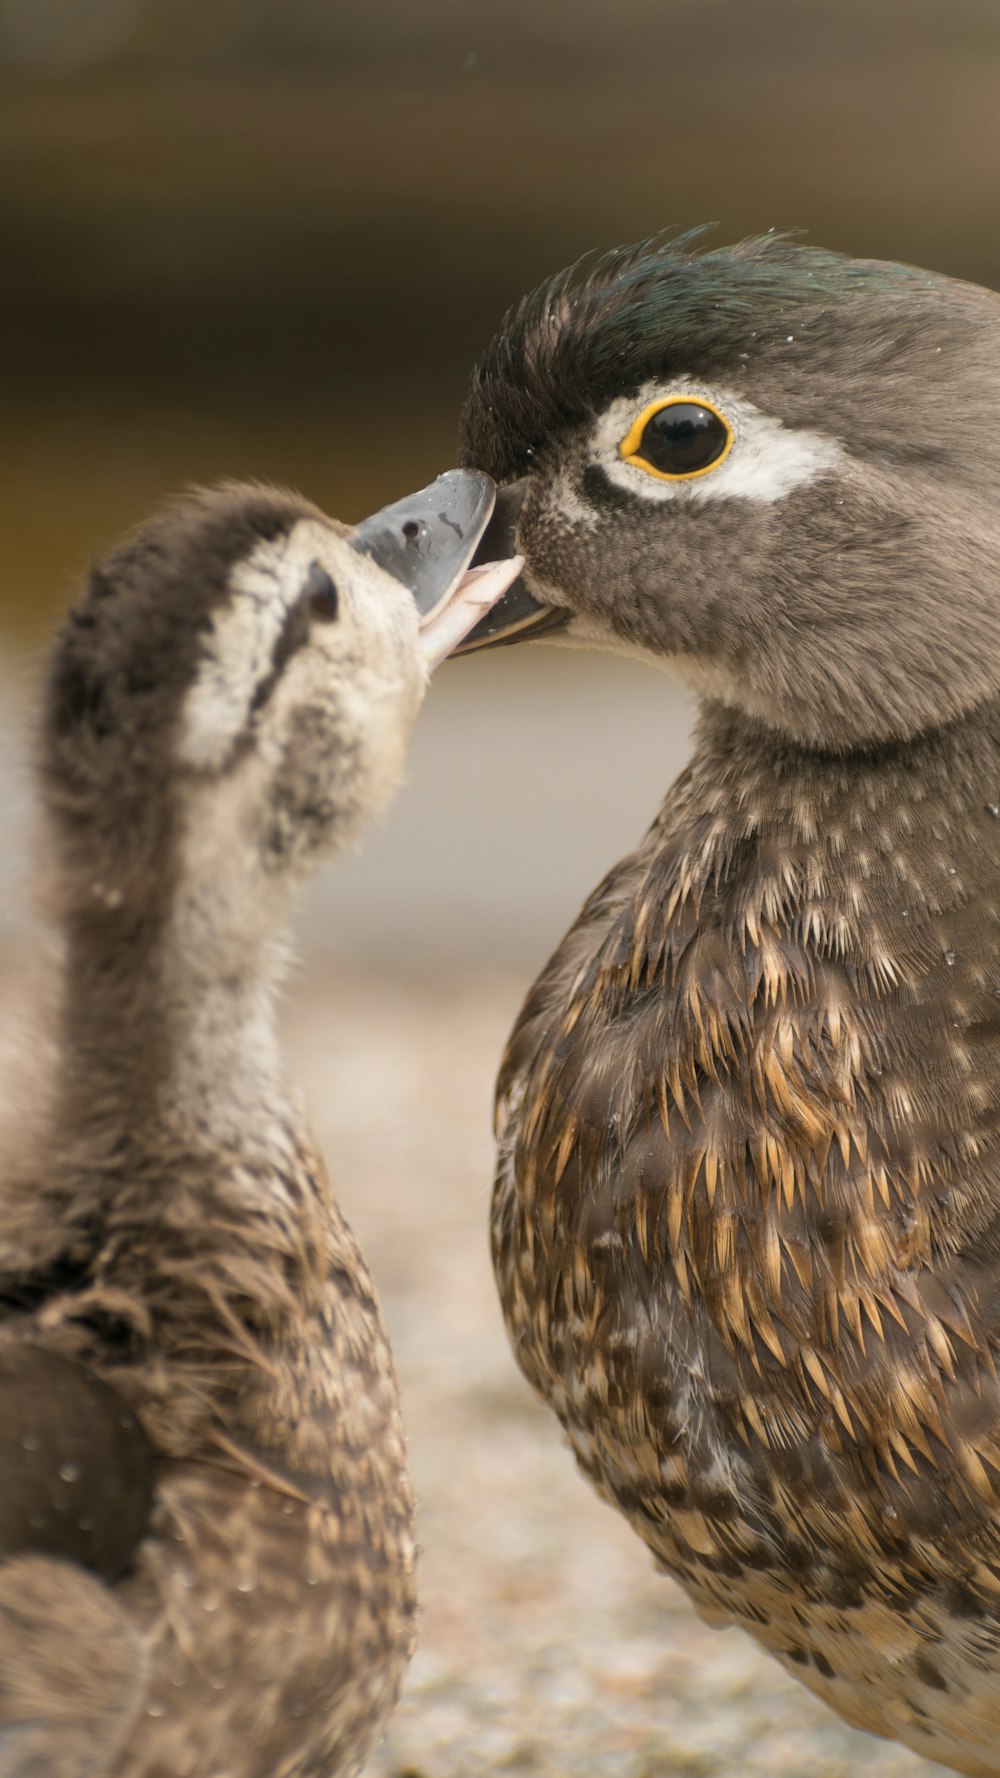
(169, 1047)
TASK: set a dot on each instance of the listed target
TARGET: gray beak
(517, 616)
(427, 540)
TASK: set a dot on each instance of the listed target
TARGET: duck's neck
(811, 953)
(882, 840)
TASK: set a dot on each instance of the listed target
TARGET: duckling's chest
(279, 1576)
(748, 1119)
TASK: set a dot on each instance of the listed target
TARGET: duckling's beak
(518, 616)
(427, 541)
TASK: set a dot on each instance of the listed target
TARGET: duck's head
(770, 467)
(231, 695)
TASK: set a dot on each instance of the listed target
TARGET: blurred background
(268, 238)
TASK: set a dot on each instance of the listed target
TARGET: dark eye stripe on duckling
(678, 438)
(318, 602)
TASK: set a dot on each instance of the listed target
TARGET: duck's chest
(747, 1124)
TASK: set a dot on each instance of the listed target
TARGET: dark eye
(677, 439)
(320, 594)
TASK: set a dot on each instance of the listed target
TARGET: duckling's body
(206, 1533)
(747, 1207)
(267, 1608)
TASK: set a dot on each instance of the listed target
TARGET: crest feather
(663, 307)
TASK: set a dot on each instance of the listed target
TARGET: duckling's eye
(320, 594)
(675, 440)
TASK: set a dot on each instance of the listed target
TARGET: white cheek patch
(766, 462)
(239, 650)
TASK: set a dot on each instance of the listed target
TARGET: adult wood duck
(206, 1517)
(746, 1223)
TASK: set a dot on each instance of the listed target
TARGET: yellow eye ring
(703, 431)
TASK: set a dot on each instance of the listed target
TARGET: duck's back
(746, 1218)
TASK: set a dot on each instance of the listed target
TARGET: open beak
(518, 616)
(427, 541)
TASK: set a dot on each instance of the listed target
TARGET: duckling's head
(773, 468)
(232, 694)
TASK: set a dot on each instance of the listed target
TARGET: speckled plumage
(746, 1224)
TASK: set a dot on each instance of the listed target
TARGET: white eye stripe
(767, 460)
(239, 653)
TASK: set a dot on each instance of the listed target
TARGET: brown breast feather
(745, 1221)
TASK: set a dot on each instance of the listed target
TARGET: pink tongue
(477, 592)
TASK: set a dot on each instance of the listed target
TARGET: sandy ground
(548, 1645)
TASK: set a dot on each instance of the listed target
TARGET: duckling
(746, 1220)
(206, 1516)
